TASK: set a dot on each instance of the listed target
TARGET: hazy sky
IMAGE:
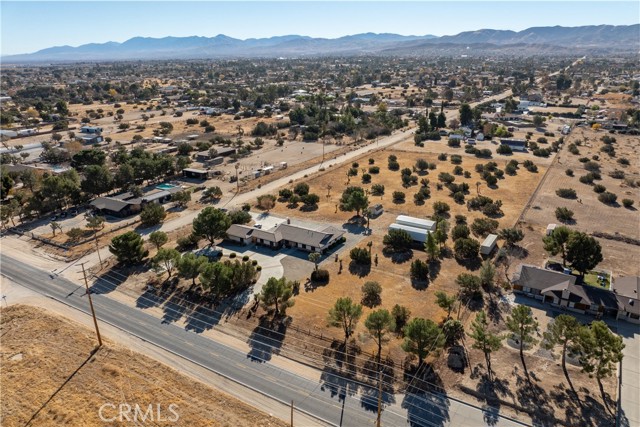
(28, 26)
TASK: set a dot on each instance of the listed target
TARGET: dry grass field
(41, 351)
(591, 215)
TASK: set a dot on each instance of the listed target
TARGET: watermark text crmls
(138, 413)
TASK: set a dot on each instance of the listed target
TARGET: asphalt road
(333, 401)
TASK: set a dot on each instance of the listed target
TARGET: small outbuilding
(550, 228)
(411, 221)
(195, 173)
(489, 244)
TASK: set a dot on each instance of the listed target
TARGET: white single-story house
(489, 244)
(287, 235)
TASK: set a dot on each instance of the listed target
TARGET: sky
(28, 26)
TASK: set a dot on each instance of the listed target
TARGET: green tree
(314, 257)
(158, 238)
(397, 240)
(446, 302)
(484, 340)
(212, 192)
(345, 314)
(487, 273)
(401, 316)
(190, 265)
(152, 214)
(125, 176)
(181, 198)
(442, 230)
(431, 247)
(453, 330)
(466, 115)
(277, 293)
(371, 293)
(511, 236)
(95, 223)
(584, 252)
(166, 259)
(602, 350)
(538, 120)
(378, 324)
(97, 180)
(556, 242)
(128, 248)
(466, 248)
(563, 331)
(55, 225)
(354, 199)
(523, 327)
(421, 337)
(211, 224)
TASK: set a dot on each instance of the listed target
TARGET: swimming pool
(165, 186)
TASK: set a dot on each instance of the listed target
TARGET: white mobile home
(489, 244)
(411, 221)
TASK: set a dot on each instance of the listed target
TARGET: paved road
(327, 401)
(629, 411)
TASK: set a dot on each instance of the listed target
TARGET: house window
(313, 248)
(572, 304)
(526, 289)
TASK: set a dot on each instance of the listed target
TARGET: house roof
(307, 236)
(239, 230)
(514, 142)
(628, 286)
(541, 279)
(269, 235)
(110, 204)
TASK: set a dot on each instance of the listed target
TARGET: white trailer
(489, 244)
(411, 221)
(417, 234)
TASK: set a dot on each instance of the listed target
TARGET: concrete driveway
(629, 406)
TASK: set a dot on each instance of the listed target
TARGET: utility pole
(93, 312)
(237, 182)
(292, 413)
(379, 397)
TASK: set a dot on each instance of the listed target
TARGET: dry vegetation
(41, 351)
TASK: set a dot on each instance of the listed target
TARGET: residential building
(286, 235)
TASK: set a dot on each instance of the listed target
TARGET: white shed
(489, 244)
(550, 228)
(411, 221)
(417, 234)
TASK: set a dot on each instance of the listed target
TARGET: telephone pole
(379, 397)
(95, 235)
(93, 312)
(292, 413)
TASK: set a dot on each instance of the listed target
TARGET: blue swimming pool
(165, 186)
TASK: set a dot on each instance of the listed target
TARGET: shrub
(599, 188)
(374, 170)
(245, 258)
(466, 248)
(484, 153)
(360, 256)
(458, 197)
(441, 208)
(366, 178)
(393, 165)
(627, 203)
(320, 276)
(564, 214)
(397, 240)
(446, 177)
(398, 197)
(623, 161)
(504, 149)
(617, 174)
(371, 294)
(301, 189)
(460, 231)
(186, 243)
(453, 142)
(456, 159)
(371, 161)
(458, 170)
(592, 166)
(233, 255)
(285, 194)
(377, 189)
(152, 214)
(566, 193)
(569, 172)
(419, 270)
(484, 226)
(608, 198)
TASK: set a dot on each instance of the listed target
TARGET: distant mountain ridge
(623, 38)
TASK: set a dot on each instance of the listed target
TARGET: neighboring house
(126, 204)
(627, 290)
(560, 290)
(195, 173)
(515, 144)
(89, 138)
(93, 130)
(286, 235)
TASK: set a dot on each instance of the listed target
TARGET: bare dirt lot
(590, 214)
(41, 351)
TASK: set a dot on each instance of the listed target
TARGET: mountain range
(535, 40)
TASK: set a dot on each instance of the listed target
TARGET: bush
(186, 243)
(627, 203)
(245, 258)
(301, 189)
(371, 161)
(377, 190)
(608, 198)
(599, 188)
(456, 159)
(397, 240)
(374, 170)
(453, 142)
(398, 197)
(393, 165)
(152, 214)
(569, 172)
(484, 226)
(419, 271)
(233, 255)
(446, 178)
(564, 214)
(366, 178)
(511, 170)
(371, 294)
(566, 193)
(617, 174)
(285, 194)
(360, 256)
(592, 166)
(460, 231)
(623, 161)
(441, 208)
(466, 248)
(320, 276)
(504, 149)
(458, 170)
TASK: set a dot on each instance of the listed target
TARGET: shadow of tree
(360, 270)
(267, 338)
(425, 399)
(493, 389)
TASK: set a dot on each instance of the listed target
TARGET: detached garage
(411, 221)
